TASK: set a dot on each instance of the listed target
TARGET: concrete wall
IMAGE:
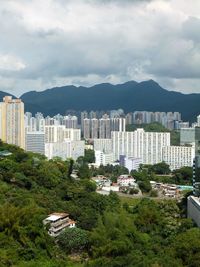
(193, 209)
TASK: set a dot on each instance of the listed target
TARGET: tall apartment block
(178, 156)
(70, 122)
(104, 127)
(94, 128)
(35, 142)
(12, 121)
(140, 144)
(86, 128)
(196, 166)
(167, 119)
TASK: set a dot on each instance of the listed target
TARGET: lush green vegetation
(110, 232)
(161, 173)
(109, 171)
(156, 127)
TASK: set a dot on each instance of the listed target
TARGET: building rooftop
(5, 153)
(56, 216)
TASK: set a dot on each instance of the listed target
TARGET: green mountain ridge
(130, 96)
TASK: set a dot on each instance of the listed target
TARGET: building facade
(35, 142)
(65, 150)
(12, 130)
(178, 156)
(58, 222)
(102, 158)
(140, 144)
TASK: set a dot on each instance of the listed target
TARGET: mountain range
(130, 96)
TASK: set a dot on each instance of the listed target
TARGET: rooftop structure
(5, 153)
(58, 222)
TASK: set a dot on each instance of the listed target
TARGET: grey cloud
(191, 29)
(115, 45)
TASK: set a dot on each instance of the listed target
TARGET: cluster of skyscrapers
(170, 120)
(55, 137)
(102, 128)
(64, 136)
(144, 147)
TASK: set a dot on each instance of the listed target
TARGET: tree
(153, 193)
(89, 156)
(183, 175)
(84, 171)
(133, 191)
(145, 186)
(186, 246)
(160, 168)
(73, 239)
(90, 186)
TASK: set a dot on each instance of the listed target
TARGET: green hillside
(109, 232)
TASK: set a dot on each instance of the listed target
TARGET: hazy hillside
(130, 96)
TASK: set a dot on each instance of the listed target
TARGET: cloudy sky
(83, 42)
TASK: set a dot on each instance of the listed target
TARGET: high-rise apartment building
(12, 129)
(104, 145)
(54, 133)
(178, 156)
(196, 166)
(64, 150)
(104, 127)
(118, 124)
(191, 136)
(140, 144)
(86, 128)
(187, 136)
(72, 134)
(84, 115)
(129, 118)
(94, 128)
(35, 142)
(70, 122)
(198, 120)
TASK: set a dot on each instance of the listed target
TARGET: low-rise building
(114, 188)
(130, 163)
(104, 159)
(5, 153)
(58, 222)
(126, 180)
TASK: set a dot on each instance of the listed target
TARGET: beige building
(12, 121)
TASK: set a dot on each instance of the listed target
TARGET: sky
(85, 42)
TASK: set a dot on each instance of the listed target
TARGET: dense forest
(110, 231)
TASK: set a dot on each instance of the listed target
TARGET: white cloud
(58, 42)
(11, 63)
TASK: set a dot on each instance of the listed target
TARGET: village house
(57, 223)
